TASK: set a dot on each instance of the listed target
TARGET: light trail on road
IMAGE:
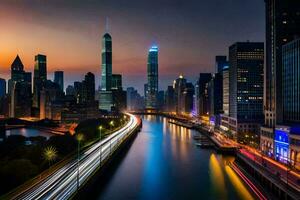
(62, 184)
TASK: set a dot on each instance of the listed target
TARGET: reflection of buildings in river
(179, 138)
(165, 123)
(238, 184)
(217, 176)
(151, 118)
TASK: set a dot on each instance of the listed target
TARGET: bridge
(67, 180)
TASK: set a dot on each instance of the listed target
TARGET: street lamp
(79, 138)
(111, 123)
(100, 148)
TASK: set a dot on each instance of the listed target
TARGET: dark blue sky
(189, 34)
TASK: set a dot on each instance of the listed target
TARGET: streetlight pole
(100, 151)
(78, 147)
(79, 138)
(111, 125)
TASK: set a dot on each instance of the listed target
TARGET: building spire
(106, 25)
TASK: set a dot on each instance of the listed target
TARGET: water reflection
(164, 163)
(238, 184)
(217, 177)
(27, 132)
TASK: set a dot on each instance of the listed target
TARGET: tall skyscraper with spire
(105, 95)
(106, 72)
(152, 74)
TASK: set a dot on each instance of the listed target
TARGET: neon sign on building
(282, 145)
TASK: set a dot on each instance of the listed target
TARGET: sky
(189, 34)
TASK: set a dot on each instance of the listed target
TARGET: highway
(63, 183)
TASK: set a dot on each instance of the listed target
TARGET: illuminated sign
(212, 120)
(281, 145)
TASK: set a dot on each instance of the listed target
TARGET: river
(28, 132)
(164, 163)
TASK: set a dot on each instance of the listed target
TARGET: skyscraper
(19, 90)
(49, 93)
(179, 85)
(17, 73)
(152, 74)
(188, 94)
(17, 69)
(88, 88)
(291, 82)
(291, 105)
(215, 93)
(170, 99)
(2, 88)
(20, 99)
(39, 78)
(282, 25)
(225, 90)
(246, 61)
(203, 104)
(106, 72)
(59, 79)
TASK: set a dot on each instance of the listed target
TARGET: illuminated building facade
(106, 69)
(291, 82)
(246, 60)
(152, 76)
(179, 85)
(282, 27)
(225, 96)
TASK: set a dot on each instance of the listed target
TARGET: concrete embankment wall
(268, 181)
(100, 177)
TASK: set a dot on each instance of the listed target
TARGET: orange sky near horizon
(69, 33)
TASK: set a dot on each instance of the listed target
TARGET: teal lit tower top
(152, 75)
(106, 72)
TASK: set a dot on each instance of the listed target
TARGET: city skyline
(73, 42)
(101, 91)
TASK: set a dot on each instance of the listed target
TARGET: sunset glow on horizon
(70, 35)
